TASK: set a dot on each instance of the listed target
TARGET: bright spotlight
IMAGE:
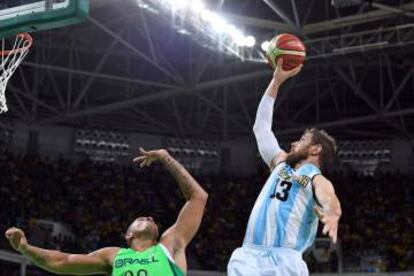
(207, 15)
(143, 5)
(265, 45)
(218, 24)
(217, 32)
(197, 6)
(179, 4)
(183, 32)
(240, 41)
(235, 33)
(231, 30)
(250, 41)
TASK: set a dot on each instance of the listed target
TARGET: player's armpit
(182, 232)
(279, 158)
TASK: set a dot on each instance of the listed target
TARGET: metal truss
(287, 25)
(350, 43)
(379, 38)
(346, 42)
(122, 73)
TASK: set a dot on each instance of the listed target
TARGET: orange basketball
(288, 47)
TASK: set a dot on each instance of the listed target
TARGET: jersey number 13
(284, 193)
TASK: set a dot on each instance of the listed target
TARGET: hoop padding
(10, 60)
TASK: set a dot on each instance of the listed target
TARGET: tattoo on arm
(187, 183)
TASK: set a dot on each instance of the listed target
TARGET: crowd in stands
(98, 201)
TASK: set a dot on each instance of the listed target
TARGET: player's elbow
(60, 265)
(334, 205)
(259, 133)
(339, 208)
(56, 267)
(201, 196)
(257, 128)
(204, 196)
(262, 133)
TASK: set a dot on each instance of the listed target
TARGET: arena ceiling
(128, 70)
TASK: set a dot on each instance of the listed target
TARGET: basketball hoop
(9, 61)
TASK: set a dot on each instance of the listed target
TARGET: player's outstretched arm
(189, 219)
(331, 212)
(62, 263)
(190, 216)
(269, 148)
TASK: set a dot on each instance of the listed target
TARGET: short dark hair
(328, 143)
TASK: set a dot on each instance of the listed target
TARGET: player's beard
(294, 157)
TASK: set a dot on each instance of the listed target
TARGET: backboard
(18, 16)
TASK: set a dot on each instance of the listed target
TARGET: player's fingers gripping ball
(288, 47)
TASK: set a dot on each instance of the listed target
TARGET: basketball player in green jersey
(145, 256)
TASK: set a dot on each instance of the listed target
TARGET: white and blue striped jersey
(283, 214)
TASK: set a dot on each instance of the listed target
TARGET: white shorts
(264, 261)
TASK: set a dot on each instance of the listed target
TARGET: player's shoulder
(277, 165)
(106, 250)
(321, 178)
(309, 170)
(107, 253)
(278, 161)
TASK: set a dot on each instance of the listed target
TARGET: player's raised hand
(146, 158)
(280, 75)
(330, 222)
(16, 238)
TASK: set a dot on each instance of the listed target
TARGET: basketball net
(9, 61)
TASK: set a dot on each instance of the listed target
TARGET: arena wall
(402, 155)
(242, 158)
(239, 156)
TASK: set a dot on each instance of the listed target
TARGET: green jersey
(155, 261)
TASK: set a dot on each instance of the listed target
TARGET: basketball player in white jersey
(284, 219)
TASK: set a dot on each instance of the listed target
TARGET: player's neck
(141, 244)
(309, 160)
